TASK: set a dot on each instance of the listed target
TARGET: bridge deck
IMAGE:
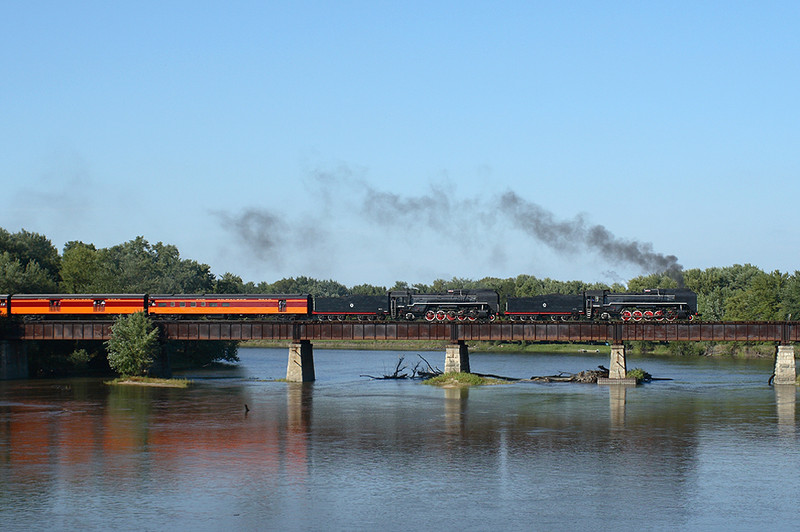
(784, 332)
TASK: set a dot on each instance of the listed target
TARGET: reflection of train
(453, 305)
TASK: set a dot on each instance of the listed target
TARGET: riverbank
(720, 349)
(421, 345)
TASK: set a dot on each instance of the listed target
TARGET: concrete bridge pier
(617, 368)
(785, 371)
(13, 360)
(456, 358)
(301, 362)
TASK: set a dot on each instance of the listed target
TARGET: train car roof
(76, 296)
(229, 296)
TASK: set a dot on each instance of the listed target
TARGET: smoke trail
(571, 235)
(339, 198)
(258, 229)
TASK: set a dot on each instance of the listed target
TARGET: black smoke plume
(576, 234)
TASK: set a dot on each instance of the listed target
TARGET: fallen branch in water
(416, 372)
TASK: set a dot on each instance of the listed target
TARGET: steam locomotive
(453, 305)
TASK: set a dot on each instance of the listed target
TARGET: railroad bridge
(455, 336)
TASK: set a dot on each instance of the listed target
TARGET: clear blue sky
(382, 141)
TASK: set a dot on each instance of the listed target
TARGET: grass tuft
(451, 380)
(150, 381)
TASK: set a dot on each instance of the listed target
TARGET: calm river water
(714, 448)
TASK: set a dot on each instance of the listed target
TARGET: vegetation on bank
(717, 349)
(639, 374)
(454, 380)
(150, 381)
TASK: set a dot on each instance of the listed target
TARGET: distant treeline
(29, 263)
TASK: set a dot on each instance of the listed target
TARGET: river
(713, 448)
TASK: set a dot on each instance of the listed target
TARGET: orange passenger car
(70, 304)
(290, 305)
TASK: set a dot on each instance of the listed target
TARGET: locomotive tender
(450, 306)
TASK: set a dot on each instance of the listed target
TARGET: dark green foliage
(133, 267)
(305, 285)
(687, 348)
(199, 354)
(639, 374)
(28, 263)
(229, 284)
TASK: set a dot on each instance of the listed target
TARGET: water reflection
(785, 399)
(298, 425)
(616, 401)
(455, 405)
(86, 455)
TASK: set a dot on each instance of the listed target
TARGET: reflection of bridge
(456, 334)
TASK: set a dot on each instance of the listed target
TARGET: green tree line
(29, 263)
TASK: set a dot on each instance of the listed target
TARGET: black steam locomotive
(472, 305)
(453, 305)
(650, 305)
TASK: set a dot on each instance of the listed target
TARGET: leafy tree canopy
(28, 262)
(133, 345)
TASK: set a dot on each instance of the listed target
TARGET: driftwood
(588, 376)
(416, 372)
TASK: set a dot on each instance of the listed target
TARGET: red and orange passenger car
(273, 305)
(72, 304)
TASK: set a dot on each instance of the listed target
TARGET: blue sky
(370, 142)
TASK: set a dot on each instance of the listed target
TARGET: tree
(133, 345)
(28, 263)
(19, 277)
(82, 269)
(229, 284)
(760, 301)
(27, 247)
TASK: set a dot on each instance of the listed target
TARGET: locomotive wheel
(492, 317)
(648, 315)
(440, 316)
(659, 315)
(637, 315)
(471, 318)
(430, 315)
(625, 315)
(451, 315)
(461, 317)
